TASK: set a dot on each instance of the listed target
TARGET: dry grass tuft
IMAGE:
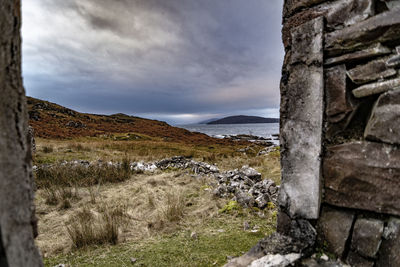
(55, 195)
(70, 176)
(48, 149)
(86, 229)
(174, 207)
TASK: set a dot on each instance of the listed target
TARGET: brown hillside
(54, 121)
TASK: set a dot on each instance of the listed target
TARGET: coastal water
(218, 130)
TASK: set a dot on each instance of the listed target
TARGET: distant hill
(54, 121)
(242, 119)
(208, 121)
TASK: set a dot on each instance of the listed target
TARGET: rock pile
(267, 150)
(75, 124)
(250, 138)
(180, 162)
(244, 185)
(248, 188)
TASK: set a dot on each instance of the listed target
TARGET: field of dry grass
(90, 223)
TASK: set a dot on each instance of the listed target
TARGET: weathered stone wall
(340, 126)
(17, 221)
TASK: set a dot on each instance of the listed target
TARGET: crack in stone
(3, 256)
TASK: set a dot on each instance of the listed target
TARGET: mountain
(208, 121)
(241, 119)
(50, 120)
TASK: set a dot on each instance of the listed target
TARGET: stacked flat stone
(340, 126)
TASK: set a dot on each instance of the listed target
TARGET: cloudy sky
(180, 61)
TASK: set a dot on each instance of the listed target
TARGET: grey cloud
(155, 56)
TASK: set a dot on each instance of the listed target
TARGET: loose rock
(367, 236)
(370, 52)
(276, 260)
(384, 123)
(389, 254)
(371, 71)
(334, 229)
(376, 88)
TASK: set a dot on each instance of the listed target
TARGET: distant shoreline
(242, 119)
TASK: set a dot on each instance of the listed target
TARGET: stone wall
(17, 221)
(340, 126)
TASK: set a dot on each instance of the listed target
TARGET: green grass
(216, 240)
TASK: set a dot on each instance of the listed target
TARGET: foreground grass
(218, 238)
(106, 217)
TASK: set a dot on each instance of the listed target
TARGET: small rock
(367, 236)
(251, 173)
(334, 228)
(276, 260)
(193, 236)
(324, 257)
(389, 253)
(246, 226)
(244, 199)
(229, 258)
(356, 260)
(384, 123)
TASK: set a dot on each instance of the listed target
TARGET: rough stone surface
(334, 228)
(380, 28)
(340, 107)
(292, 5)
(3, 258)
(343, 13)
(356, 260)
(301, 123)
(276, 260)
(370, 52)
(384, 123)
(299, 238)
(376, 88)
(366, 238)
(335, 89)
(392, 4)
(393, 61)
(338, 14)
(307, 43)
(31, 138)
(17, 221)
(371, 71)
(312, 262)
(273, 244)
(363, 175)
(389, 254)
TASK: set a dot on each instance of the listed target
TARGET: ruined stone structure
(340, 127)
(17, 221)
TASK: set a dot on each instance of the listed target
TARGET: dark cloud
(156, 57)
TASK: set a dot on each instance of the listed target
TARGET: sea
(219, 130)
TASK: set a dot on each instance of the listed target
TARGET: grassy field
(111, 217)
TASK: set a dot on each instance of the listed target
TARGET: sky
(180, 61)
